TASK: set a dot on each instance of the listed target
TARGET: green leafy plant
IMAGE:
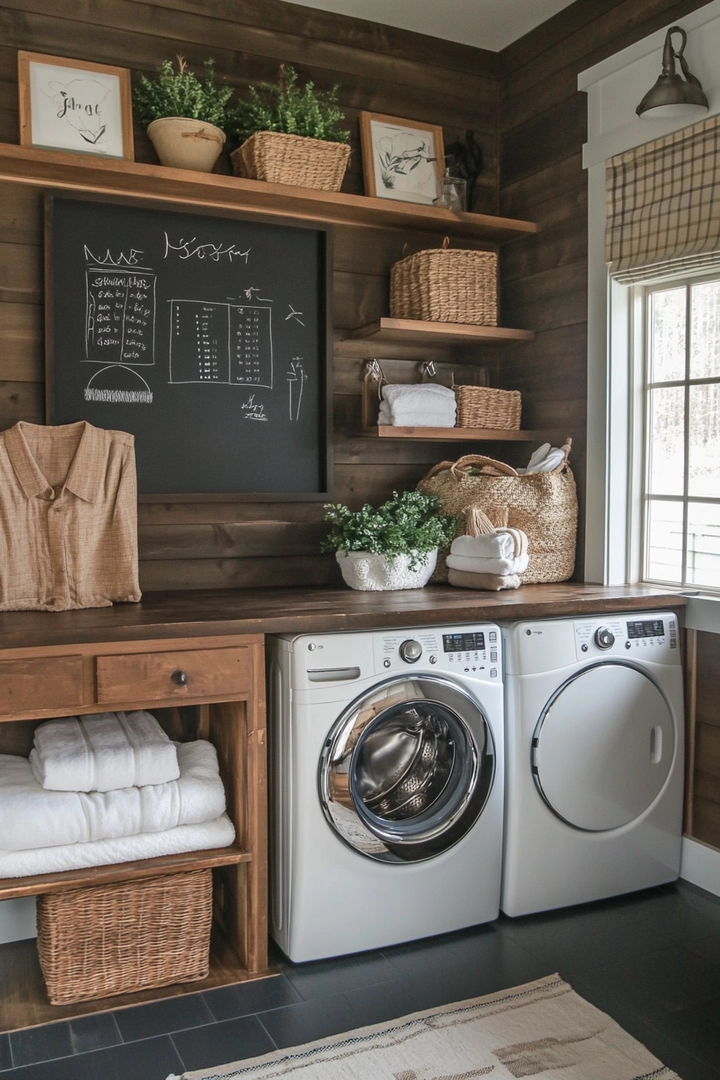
(181, 92)
(288, 108)
(407, 524)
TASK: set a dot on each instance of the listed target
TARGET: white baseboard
(17, 919)
(700, 865)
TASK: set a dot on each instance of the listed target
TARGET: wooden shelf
(386, 431)
(111, 176)
(11, 888)
(415, 332)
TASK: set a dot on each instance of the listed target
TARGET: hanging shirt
(68, 517)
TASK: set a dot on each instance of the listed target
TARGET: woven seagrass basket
(297, 160)
(485, 407)
(103, 940)
(445, 285)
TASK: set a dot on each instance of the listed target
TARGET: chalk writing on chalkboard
(205, 337)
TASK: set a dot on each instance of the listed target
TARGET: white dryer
(386, 772)
(594, 758)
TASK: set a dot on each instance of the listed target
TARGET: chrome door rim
(456, 806)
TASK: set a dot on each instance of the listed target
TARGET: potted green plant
(185, 114)
(392, 547)
(290, 134)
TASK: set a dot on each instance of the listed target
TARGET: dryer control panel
(473, 651)
(636, 635)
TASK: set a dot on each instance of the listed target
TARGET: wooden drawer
(36, 685)
(163, 676)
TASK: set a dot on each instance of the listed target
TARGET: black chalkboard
(206, 337)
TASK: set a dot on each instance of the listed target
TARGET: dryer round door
(603, 747)
(407, 769)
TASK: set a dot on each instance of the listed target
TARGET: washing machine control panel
(635, 635)
(473, 651)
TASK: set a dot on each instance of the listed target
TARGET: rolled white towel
(496, 545)
(33, 817)
(545, 459)
(103, 752)
(488, 566)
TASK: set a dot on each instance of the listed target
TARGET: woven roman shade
(663, 205)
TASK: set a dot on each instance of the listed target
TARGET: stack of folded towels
(104, 789)
(418, 405)
(491, 561)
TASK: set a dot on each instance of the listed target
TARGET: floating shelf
(416, 332)
(386, 431)
(112, 176)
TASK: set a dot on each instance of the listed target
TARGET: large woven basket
(114, 939)
(292, 159)
(543, 505)
(485, 407)
(445, 285)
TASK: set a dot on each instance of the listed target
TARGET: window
(680, 499)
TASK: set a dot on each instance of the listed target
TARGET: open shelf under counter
(115, 177)
(418, 332)
(387, 431)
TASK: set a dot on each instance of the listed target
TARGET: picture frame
(75, 106)
(402, 159)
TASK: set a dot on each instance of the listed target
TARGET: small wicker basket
(445, 285)
(297, 160)
(485, 407)
(103, 940)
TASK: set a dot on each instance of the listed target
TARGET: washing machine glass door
(407, 769)
(603, 747)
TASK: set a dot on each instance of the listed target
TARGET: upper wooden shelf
(112, 176)
(416, 332)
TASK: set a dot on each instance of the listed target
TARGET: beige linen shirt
(68, 517)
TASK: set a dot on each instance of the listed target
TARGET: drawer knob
(179, 678)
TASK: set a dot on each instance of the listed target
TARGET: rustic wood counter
(183, 614)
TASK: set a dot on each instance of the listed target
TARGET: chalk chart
(206, 337)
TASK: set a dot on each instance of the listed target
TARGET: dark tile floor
(651, 960)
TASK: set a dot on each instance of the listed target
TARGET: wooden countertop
(209, 612)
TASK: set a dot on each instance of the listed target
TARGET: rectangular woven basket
(485, 407)
(297, 160)
(102, 940)
(445, 285)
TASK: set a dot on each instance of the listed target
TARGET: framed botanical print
(402, 159)
(75, 105)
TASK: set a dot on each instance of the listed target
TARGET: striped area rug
(542, 1029)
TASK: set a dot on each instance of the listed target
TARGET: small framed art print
(402, 159)
(75, 105)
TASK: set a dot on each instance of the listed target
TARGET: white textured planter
(186, 144)
(374, 573)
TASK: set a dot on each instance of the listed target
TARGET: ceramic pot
(365, 571)
(186, 144)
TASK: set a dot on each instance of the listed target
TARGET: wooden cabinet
(220, 697)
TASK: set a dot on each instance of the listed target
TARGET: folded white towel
(103, 752)
(497, 545)
(488, 566)
(51, 860)
(32, 817)
(419, 394)
(545, 459)
(412, 417)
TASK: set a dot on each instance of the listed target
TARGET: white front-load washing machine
(386, 798)
(594, 758)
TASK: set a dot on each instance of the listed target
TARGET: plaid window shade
(663, 205)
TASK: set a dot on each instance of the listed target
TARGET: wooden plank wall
(703, 795)
(544, 278)
(196, 545)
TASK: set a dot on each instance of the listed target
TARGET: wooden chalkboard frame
(53, 371)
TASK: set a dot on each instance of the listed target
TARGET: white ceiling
(487, 24)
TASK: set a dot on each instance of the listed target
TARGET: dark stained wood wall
(544, 278)
(703, 774)
(377, 68)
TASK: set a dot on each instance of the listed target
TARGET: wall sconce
(672, 95)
